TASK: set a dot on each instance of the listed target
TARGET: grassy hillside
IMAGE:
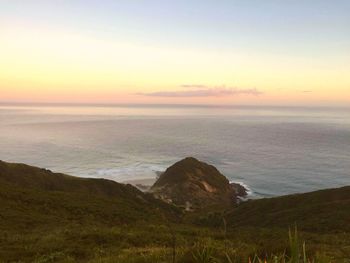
(30, 189)
(36, 203)
(320, 211)
(50, 217)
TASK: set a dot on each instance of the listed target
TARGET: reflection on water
(274, 150)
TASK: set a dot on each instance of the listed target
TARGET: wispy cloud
(204, 91)
(194, 86)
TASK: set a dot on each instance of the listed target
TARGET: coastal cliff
(195, 185)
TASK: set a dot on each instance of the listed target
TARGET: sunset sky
(200, 52)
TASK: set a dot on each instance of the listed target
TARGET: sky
(271, 52)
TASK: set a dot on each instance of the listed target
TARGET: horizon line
(160, 105)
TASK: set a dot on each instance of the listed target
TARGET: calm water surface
(273, 150)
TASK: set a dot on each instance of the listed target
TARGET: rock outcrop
(196, 185)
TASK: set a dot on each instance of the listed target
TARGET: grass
(153, 243)
(47, 220)
(208, 251)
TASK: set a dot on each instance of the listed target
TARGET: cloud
(194, 86)
(199, 91)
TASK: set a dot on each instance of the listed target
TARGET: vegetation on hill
(50, 217)
(196, 185)
(320, 211)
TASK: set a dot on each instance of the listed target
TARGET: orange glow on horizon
(38, 65)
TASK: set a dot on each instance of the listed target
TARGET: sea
(272, 150)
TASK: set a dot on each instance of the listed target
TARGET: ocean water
(273, 150)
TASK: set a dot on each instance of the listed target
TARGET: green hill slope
(319, 211)
(52, 217)
(41, 212)
(28, 190)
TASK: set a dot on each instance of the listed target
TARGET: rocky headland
(196, 185)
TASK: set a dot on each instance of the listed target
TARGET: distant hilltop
(193, 185)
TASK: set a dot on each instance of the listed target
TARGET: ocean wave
(131, 172)
(250, 192)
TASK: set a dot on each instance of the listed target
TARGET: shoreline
(144, 185)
